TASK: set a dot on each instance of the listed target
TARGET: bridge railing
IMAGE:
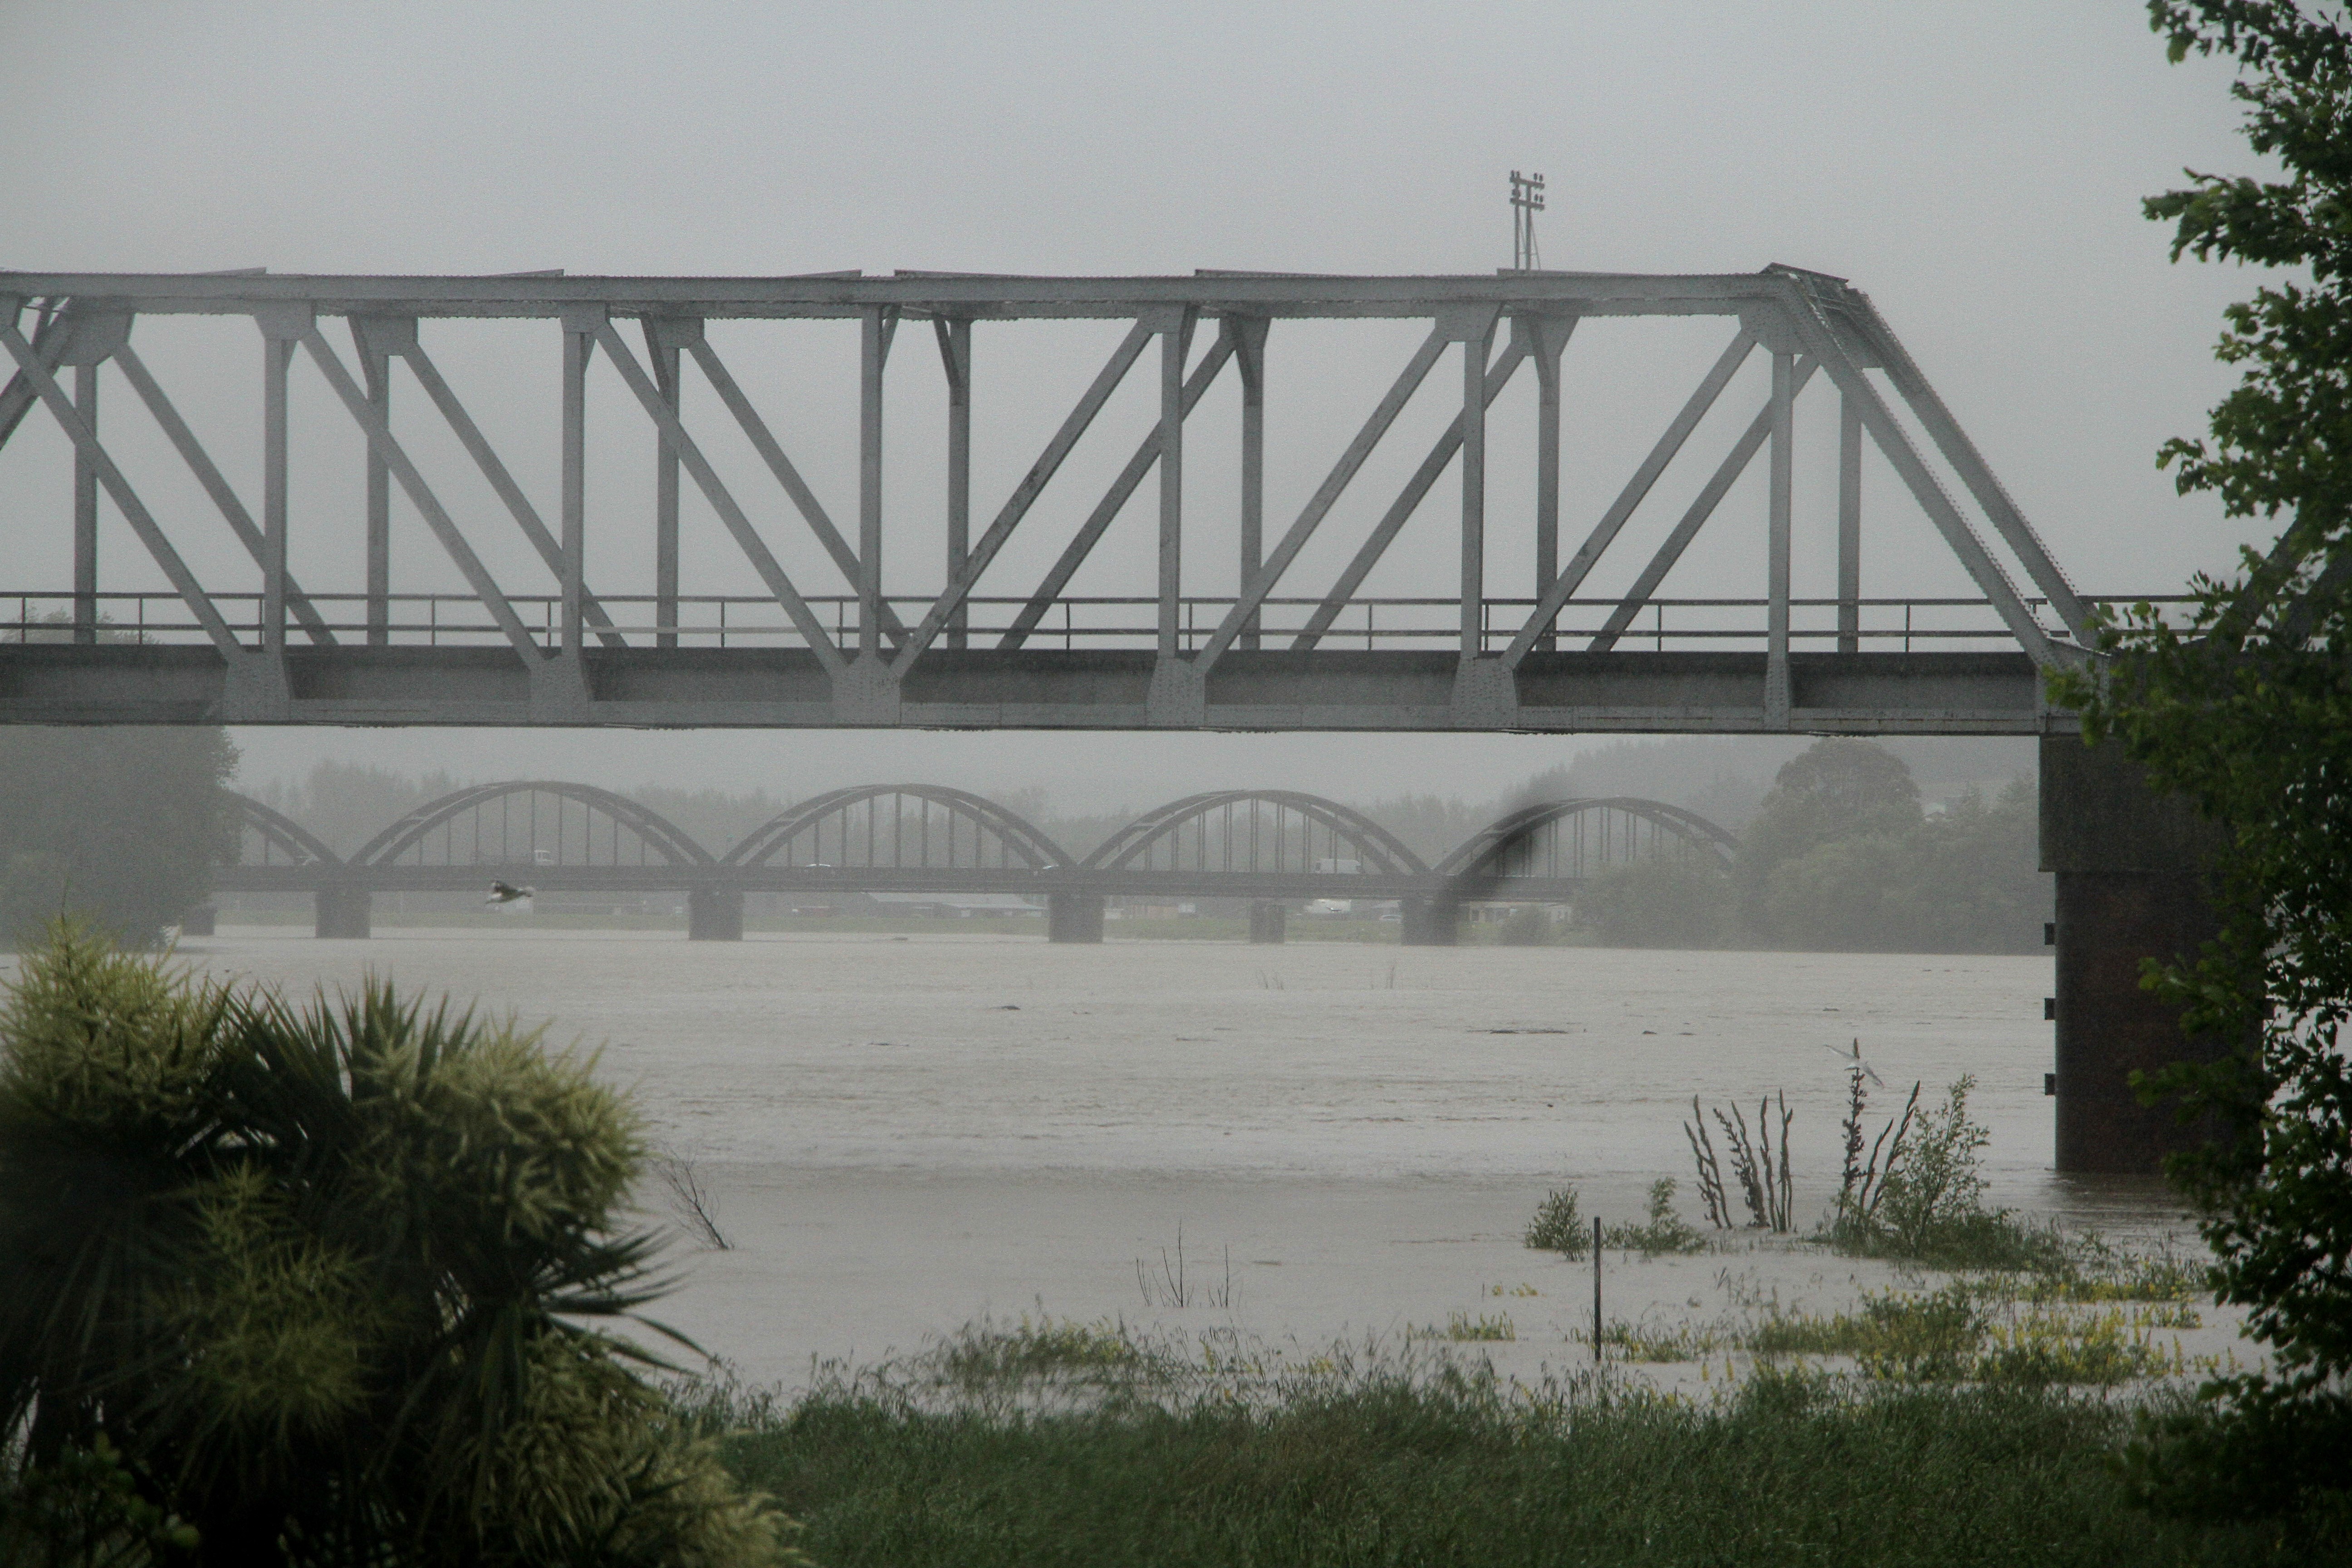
(1904, 625)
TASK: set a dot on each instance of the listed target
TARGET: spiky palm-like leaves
(326, 1275)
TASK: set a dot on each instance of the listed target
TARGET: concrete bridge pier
(1073, 917)
(1267, 917)
(344, 912)
(1431, 922)
(2128, 864)
(714, 914)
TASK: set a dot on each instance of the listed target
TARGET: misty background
(1975, 167)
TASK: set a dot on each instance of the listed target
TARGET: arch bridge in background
(545, 831)
(927, 835)
(1568, 842)
(1263, 846)
(269, 839)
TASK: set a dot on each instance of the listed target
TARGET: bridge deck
(1946, 693)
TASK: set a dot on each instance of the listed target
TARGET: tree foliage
(325, 1278)
(1842, 858)
(1671, 899)
(2246, 710)
(119, 826)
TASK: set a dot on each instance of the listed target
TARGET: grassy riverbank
(1067, 1444)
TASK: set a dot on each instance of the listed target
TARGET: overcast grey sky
(1975, 166)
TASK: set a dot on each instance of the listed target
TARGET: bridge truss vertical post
(1849, 557)
(1474, 348)
(878, 323)
(1175, 344)
(2130, 886)
(85, 512)
(278, 344)
(955, 356)
(664, 356)
(375, 372)
(1249, 348)
(1551, 339)
(579, 343)
(1775, 645)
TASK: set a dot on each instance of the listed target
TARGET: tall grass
(1359, 1458)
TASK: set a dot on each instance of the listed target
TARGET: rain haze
(885, 918)
(1976, 168)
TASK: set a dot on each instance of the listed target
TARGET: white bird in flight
(1852, 1057)
(507, 893)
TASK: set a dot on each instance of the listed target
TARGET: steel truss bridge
(1261, 846)
(210, 623)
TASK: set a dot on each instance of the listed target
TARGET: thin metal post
(1474, 492)
(874, 352)
(1776, 656)
(1596, 1287)
(579, 343)
(377, 368)
(664, 362)
(1249, 339)
(278, 359)
(1849, 526)
(955, 355)
(1175, 341)
(85, 513)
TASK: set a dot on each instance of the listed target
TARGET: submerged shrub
(1931, 1209)
(1557, 1226)
(1665, 1231)
(322, 1278)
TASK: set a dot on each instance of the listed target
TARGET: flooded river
(903, 1133)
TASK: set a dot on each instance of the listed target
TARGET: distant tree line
(119, 826)
(1842, 856)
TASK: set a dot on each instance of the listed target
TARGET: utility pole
(1526, 200)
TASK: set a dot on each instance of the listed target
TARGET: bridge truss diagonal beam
(674, 435)
(1710, 495)
(371, 419)
(1032, 484)
(501, 482)
(1928, 491)
(1416, 489)
(772, 452)
(1130, 478)
(215, 485)
(1959, 450)
(134, 511)
(1637, 489)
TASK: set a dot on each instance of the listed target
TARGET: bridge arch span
(1572, 839)
(277, 835)
(900, 826)
(533, 822)
(1254, 831)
